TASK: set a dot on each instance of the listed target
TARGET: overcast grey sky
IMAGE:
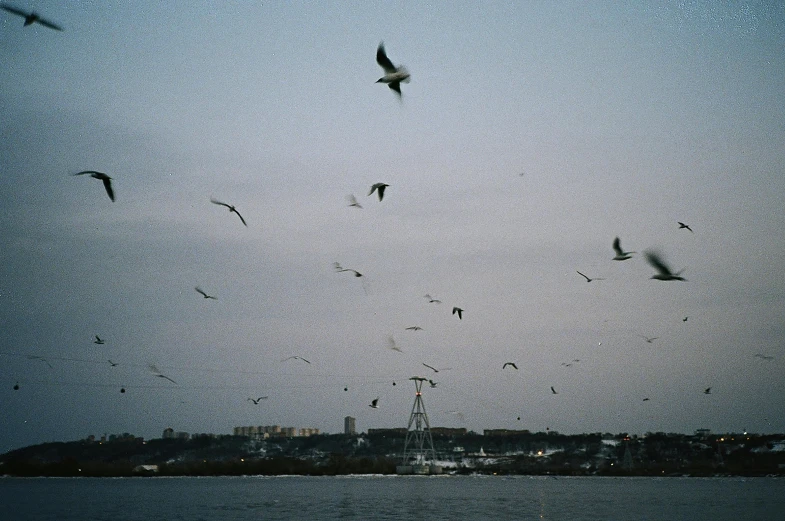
(531, 135)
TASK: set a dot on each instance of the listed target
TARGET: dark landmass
(495, 452)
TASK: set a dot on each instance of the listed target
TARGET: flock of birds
(393, 77)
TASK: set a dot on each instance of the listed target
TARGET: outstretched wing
(49, 24)
(214, 201)
(382, 59)
(240, 216)
(108, 186)
(617, 246)
(657, 263)
(14, 10)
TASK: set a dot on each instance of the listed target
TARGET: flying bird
(202, 293)
(353, 201)
(231, 209)
(113, 364)
(649, 340)
(682, 225)
(432, 300)
(663, 271)
(459, 311)
(41, 358)
(296, 358)
(16, 386)
(431, 367)
(393, 76)
(379, 189)
(414, 328)
(122, 390)
(156, 372)
(392, 345)
(645, 399)
(103, 177)
(585, 277)
(374, 403)
(31, 18)
(621, 254)
(684, 319)
(98, 340)
(764, 357)
(433, 384)
(341, 269)
(511, 364)
(256, 402)
(707, 391)
(553, 390)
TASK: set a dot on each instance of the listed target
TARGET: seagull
(664, 272)
(374, 403)
(682, 225)
(379, 189)
(553, 390)
(431, 367)
(122, 390)
(156, 372)
(414, 328)
(393, 76)
(98, 340)
(202, 293)
(256, 402)
(392, 345)
(103, 177)
(340, 269)
(459, 311)
(31, 18)
(511, 364)
(113, 364)
(621, 254)
(707, 391)
(433, 384)
(684, 319)
(432, 300)
(764, 357)
(645, 399)
(649, 340)
(353, 201)
(585, 277)
(16, 386)
(231, 209)
(296, 358)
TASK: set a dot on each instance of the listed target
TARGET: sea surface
(392, 498)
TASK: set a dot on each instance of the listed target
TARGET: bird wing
(90, 172)
(202, 293)
(240, 216)
(657, 263)
(49, 24)
(382, 59)
(380, 191)
(303, 359)
(14, 10)
(108, 185)
(617, 246)
(582, 275)
(430, 367)
(166, 378)
(214, 201)
(396, 86)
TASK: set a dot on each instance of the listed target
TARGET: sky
(531, 134)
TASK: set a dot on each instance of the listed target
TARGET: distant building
(259, 432)
(448, 431)
(170, 434)
(703, 433)
(349, 425)
(401, 431)
(504, 432)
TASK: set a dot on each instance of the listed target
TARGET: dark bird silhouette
(16, 386)
(645, 399)
(621, 254)
(31, 18)
(374, 403)
(682, 225)
(353, 201)
(103, 177)
(585, 277)
(341, 269)
(432, 300)
(764, 357)
(122, 390)
(649, 340)
(379, 189)
(707, 391)
(202, 293)
(393, 76)
(684, 319)
(113, 364)
(553, 390)
(433, 384)
(156, 372)
(41, 358)
(296, 358)
(98, 340)
(256, 402)
(414, 328)
(232, 209)
(663, 271)
(345, 388)
(511, 364)
(458, 311)
(431, 367)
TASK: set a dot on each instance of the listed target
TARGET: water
(392, 498)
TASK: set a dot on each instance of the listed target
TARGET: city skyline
(529, 137)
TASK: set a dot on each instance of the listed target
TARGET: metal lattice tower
(419, 443)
